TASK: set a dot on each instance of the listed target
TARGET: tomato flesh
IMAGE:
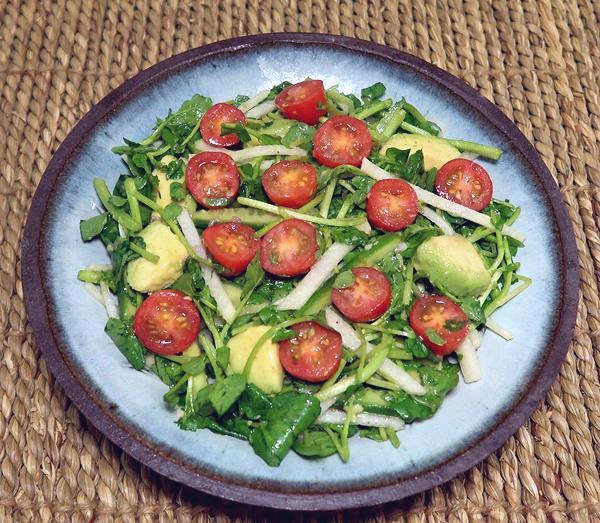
(304, 101)
(290, 183)
(342, 140)
(392, 205)
(441, 318)
(213, 179)
(367, 298)
(217, 115)
(231, 244)
(314, 354)
(289, 248)
(167, 322)
(464, 182)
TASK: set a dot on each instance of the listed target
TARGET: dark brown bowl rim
(37, 303)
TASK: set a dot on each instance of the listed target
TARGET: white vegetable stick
(252, 152)
(365, 227)
(499, 330)
(266, 164)
(475, 338)
(468, 361)
(401, 246)
(213, 281)
(110, 301)
(396, 374)
(319, 273)
(438, 220)
(94, 292)
(376, 172)
(261, 109)
(393, 372)
(326, 404)
(99, 267)
(365, 419)
(254, 101)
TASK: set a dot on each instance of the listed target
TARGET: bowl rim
(100, 416)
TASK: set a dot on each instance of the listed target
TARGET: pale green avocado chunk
(436, 152)
(145, 276)
(452, 263)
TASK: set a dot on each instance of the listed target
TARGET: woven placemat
(538, 60)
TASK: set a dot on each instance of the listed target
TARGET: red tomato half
(304, 101)
(441, 318)
(367, 298)
(290, 183)
(314, 354)
(232, 245)
(210, 124)
(213, 179)
(289, 249)
(342, 140)
(465, 182)
(392, 205)
(167, 322)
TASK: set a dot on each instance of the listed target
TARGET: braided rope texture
(538, 60)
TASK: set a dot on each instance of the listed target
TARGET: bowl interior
(135, 398)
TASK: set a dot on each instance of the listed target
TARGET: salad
(303, 266)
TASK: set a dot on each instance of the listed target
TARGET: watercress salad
(303, 265)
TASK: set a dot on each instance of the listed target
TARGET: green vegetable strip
(344, 208)
(334, 440)
(373, 109)
(118, 214)
(393, 437)
(134, 205)
(345, 455)
(211, 354)
(407, 291)
(500, 247)
(153, 258)
(326, 203)
(486, 151)
(309, 206)
(336, 375)
(265, 337)
(506, 297)
(417, 115)
(382, 384)
(88, 276)
(388, 125)
(362, 356)
(346, 105)
(377, 328)
(288, 213)
(338, 388)
(376, 358)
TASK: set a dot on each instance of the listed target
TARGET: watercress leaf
(343, 280)
(377, 90)
(172, 211)
(348, 235)
(239, 130)
(283, 334)
(233, 426)
(177, 191)
(223, 356)
(275, 90)
(254, 276)
(271, 289)
(315, 444)
(121, 333)
(92, 227)
(167, 371)
(240, 99)
(416, 347)
(174, 170)
(299, 135)
(434, 336)
(289, 415)
(195, 366)
(226, 392)
(181, 123)
(271, 316)
(473, 310)
(254, 403)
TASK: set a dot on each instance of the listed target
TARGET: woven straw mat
(538, 60)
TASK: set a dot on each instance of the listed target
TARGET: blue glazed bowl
(127, 406)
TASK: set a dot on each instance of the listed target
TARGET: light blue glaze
(466, 414)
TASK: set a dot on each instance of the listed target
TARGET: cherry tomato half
(465, 182)
(304, 101)
(442, 319)
(313, 354)
(167, 322)
(392, 205)
(289, 249)
(367, 298)
(231, 244)
(210, 124)
(213, 179)
(342, 140)
(290, 183)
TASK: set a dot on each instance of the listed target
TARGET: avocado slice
(145, 276)
(436, 152)
(452, 263)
